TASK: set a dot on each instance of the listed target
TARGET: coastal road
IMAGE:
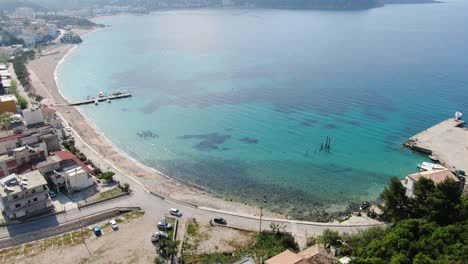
(156, 208)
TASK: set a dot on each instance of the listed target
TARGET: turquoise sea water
(243, 99)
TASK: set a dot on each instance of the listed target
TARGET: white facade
(24, 12)
(33, 116)
(408, 183)
(77, 178)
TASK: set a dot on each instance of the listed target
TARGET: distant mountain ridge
(39, 5)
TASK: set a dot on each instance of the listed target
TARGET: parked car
(155, 237)
(175, 212)
(220, 221)
(52, 194)
(97, 230)
(163, 225)
(114, 224)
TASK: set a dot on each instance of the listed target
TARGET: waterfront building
(65, 171)
(7, 104)
(437, 176)
(313, 255)
(33, 115)
(24, 195)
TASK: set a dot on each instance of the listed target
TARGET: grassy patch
(67, 239)
(106, 194)
(192, 229)
(262, 246)
(131, 215)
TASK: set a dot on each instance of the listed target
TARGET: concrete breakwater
(448, 141)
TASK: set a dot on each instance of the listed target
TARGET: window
(15, 196)
(33, 191)
(45, 187)
(17, 205)
(35, 199)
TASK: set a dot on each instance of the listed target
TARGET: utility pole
(261, 214)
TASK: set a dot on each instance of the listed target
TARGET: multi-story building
(24, 12)
(22, 158)
(24, 195)
(7, 104)
(65, 171)
(33, 115)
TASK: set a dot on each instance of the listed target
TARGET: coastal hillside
(311, 4)
(11, 5)
(163, 4)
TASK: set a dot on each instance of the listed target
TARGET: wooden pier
(102, 99)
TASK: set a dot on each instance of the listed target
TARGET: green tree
(22, 102)
(443, 202)
(106, 176)
(395, 202)
(6, 119)
(330, 237)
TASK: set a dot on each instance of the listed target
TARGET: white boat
(101, 94)
(434, 158)
(425, 166)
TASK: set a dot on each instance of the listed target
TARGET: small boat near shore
(433, 158)
(425, 166)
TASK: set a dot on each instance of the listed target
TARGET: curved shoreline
(105, 154)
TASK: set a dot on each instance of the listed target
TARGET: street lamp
(261, 213)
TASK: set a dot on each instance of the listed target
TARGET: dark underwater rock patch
(249, 140)
(209, 141)
(330, 126)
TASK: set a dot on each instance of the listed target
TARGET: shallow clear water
(243, 99)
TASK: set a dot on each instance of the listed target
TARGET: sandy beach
(99, 149)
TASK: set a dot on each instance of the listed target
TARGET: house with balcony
(66, 172)
(24, 195)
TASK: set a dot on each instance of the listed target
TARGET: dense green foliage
(441, 203)
(418, 241)
(430, 228)
(6, 119)
(106, 176)
(19, 64)
(22, 102)
(8, 39)
(70, 147)
(62, 21)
